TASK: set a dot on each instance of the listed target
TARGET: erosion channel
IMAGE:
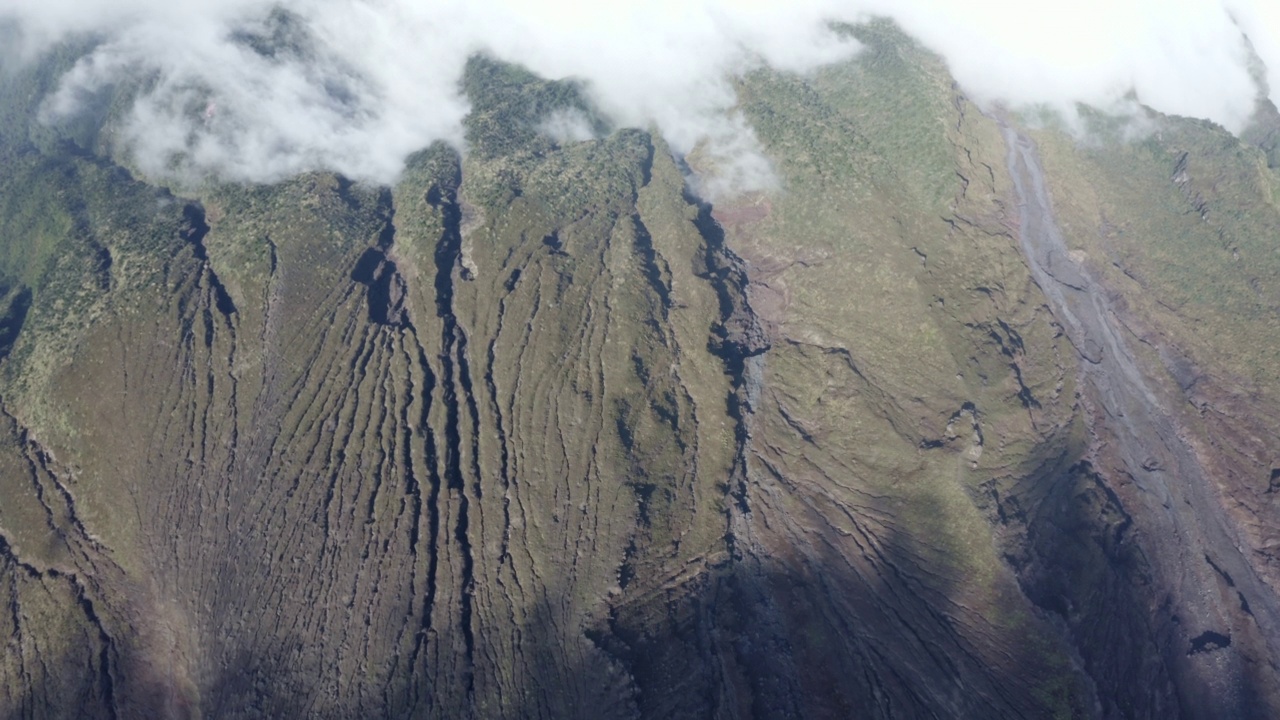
(1185, 532)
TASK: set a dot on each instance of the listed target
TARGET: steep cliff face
(962, 420)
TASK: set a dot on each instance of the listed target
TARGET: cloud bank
(258, 90)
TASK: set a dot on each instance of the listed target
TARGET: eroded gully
(1185, 531)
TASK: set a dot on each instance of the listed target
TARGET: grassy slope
(905, 302)
(909, 452)
(1181, 225)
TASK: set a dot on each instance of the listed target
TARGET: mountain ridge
(536, 432)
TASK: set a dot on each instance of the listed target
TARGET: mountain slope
(962, 420)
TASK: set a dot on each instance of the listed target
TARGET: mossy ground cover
(905, 301)
(1183, 221)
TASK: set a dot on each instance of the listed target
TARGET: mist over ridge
(639, 360)
(258, 90)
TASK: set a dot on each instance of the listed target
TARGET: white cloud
(567, 126)
(1183, 57)
(379, 78)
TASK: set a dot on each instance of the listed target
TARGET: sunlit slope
(538, 433)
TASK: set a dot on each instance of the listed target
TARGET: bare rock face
(966, 421)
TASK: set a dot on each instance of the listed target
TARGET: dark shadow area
(193, 230)
(14, 306)
(386, 288)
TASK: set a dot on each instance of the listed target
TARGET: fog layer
(258, 90)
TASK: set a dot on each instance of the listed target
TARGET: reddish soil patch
(750, 210)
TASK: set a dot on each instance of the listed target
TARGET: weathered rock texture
(961, 421)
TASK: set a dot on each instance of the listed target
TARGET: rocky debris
(738, 334)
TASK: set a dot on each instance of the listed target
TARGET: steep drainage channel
(1184, 521)
(456, 376)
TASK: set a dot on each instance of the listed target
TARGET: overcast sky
(383, 81)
